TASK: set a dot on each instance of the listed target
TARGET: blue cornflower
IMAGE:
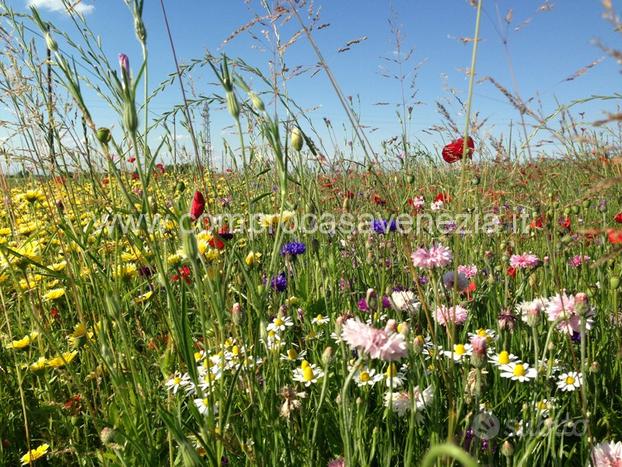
(293, 249)
(279, 283)
(381, 226)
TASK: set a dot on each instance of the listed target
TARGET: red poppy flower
(135, 176)
(614, 236)
(54, 312)
(217, 243)
(511, 271)
(378, 200)
(444, 197)
(161, 167)
(565, 222)
(537, 223)
(198, 206)
(105, 181)
(453, 151)
(131, 159)
(618, 217)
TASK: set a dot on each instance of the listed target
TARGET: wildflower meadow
(298, 292)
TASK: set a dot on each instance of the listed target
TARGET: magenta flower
(456, 315)
(578, 260)
(377, 343)
(478, 345)
(469, 270)
(524, 261)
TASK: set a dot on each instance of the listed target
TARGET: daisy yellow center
(304, 364)
(570, 380)
(235, 350)
(177, 380)
(459, 349)
(364, 376)
(482, 333)
(292, 354)
(504, 357)
(278, 322)
(541, 405)
(307, 373)
(519, 370)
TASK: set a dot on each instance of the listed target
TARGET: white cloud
(58, 5)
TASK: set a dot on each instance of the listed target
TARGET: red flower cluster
(454, 150)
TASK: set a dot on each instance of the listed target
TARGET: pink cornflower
(578, 260)
(377, 343)
(526, 260)
(469, 270)
(440, 256)
(565, 310)
(607, 454)
(421, 258)
(455, 314)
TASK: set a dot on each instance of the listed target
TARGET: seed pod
(50, 42)
(257, 102)
(614, 282)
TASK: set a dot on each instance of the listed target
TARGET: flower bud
(236, 313)
(418, 343)
(327, 355)
(296, 139)
(257, 102)
(507, 449)
(130, 118)
(232, 105)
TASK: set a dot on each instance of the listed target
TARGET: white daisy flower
(203, 405)
(320, 319)
(292, 355)
(280, 323)
(570, 381)
(178, 381)
(489, 334)
(459, 352)
(366, 377)
(308, 373)
(502, 358)
(518, 371)
(393, 377)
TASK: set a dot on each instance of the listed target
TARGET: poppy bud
(181, 187)
(103, 135)
(198, 205)
(327, 355)
(614, 282)
(296, 138)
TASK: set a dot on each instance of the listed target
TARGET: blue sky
(550, 48)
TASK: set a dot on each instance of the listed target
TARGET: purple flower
(362, 305)
(279, 283)
(452, 279)
(293, 249)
